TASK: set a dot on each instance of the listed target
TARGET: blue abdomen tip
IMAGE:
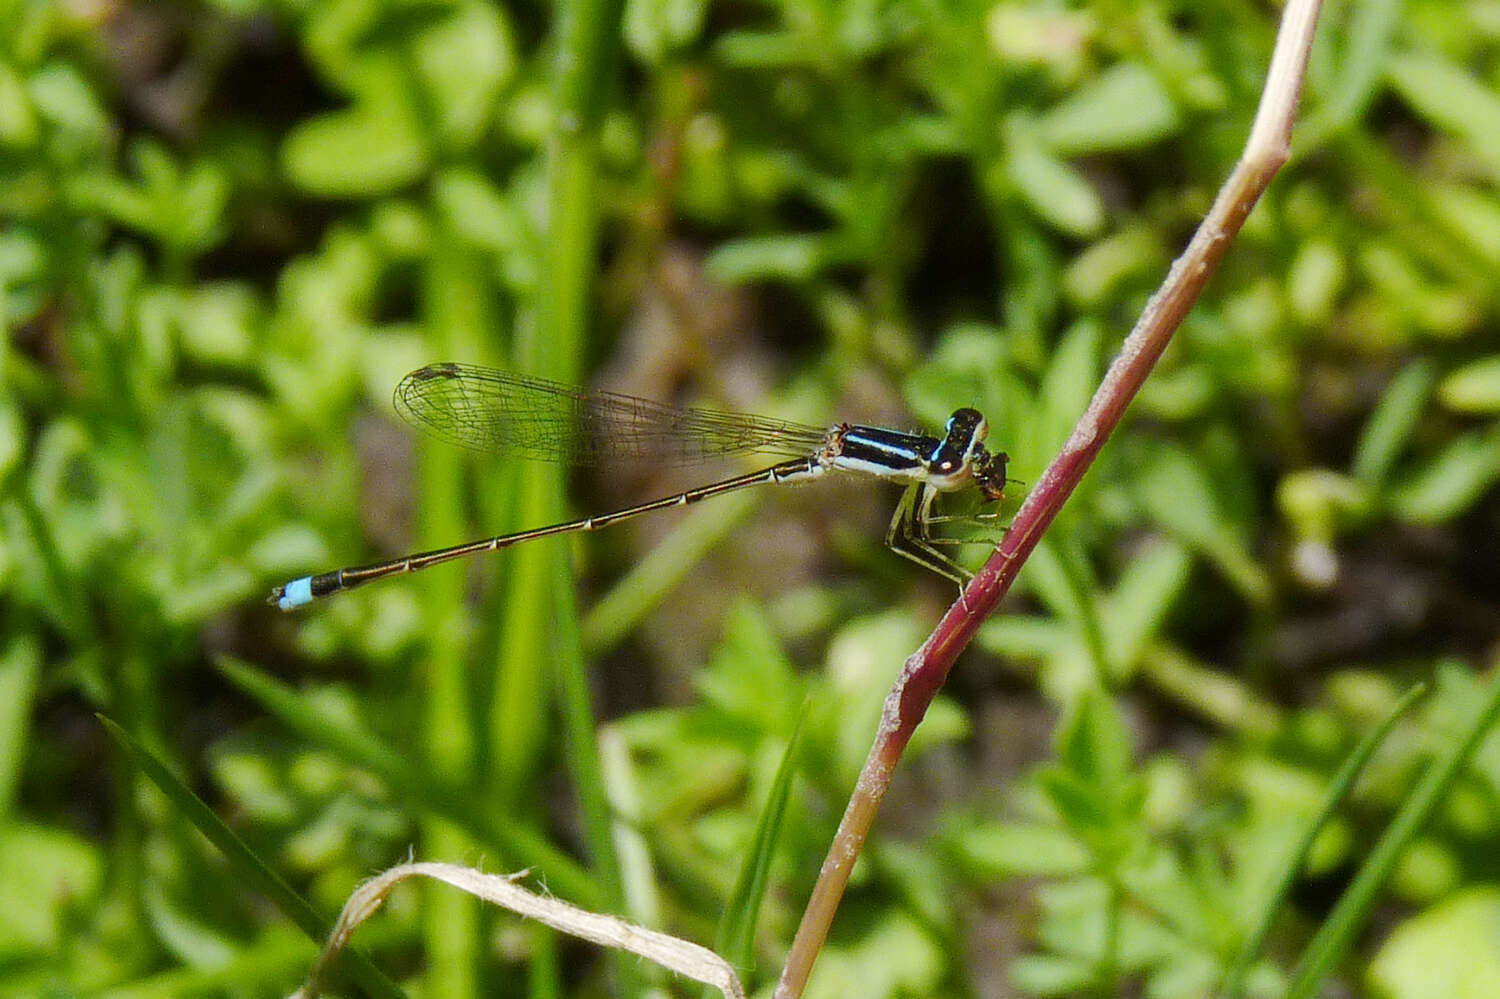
(296, 593)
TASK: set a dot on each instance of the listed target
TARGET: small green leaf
(1099, 272)
(478, 212)
(23, 265)
(18, 126)
(114, 199)
(945, 722)
(707, 190)
(1316, 278)
(1124, 107)
(1453, 100)
(1001, 850)
(45, 874)
(1077, 802)
(196, 207)
(1473, 388)
(1060, 195)
(1138, 605)
(1067, 386)
(1451, 482)
(793, 257)
(1178, 394)
(968, 367)
(65, 98)
(1184, 973)
(464, 61)
(1359, 66)
(1319, 502)
(1473, 214)
(1093, 743)
(372, 148)
(1048, 975)
(1391, 424)
(1174, 491)
(1022, 637)
(893, 956)
(761, 50)
(219, 323)
(1048, 577)
(14, 439)
(654, 28)
(863, 658)
(1430, 868)
(1448, 950)
(749, 675)
(19, 669)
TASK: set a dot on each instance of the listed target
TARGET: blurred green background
(230, 228)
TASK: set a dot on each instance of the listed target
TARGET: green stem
(454, 304)
(541, 619)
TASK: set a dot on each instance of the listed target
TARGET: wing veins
(501, 413)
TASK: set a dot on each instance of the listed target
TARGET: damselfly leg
(982, 521)
(910, 537)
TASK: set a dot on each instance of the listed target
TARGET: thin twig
(923, 675)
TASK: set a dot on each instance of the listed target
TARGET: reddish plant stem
(923, 675)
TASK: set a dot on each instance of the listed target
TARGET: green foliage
(1445, 950)
(227, 230)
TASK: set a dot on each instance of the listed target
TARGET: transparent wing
(501, 413)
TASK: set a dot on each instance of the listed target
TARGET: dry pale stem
(681, 956)
(924, 673)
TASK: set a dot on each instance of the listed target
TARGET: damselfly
(516, 416)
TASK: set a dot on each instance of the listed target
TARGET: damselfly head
(966, 429)
(950, 462)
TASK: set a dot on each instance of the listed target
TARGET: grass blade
(736, 938)
(421, 786)
(242, 859)
(1333, 938)
(1342, 784)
